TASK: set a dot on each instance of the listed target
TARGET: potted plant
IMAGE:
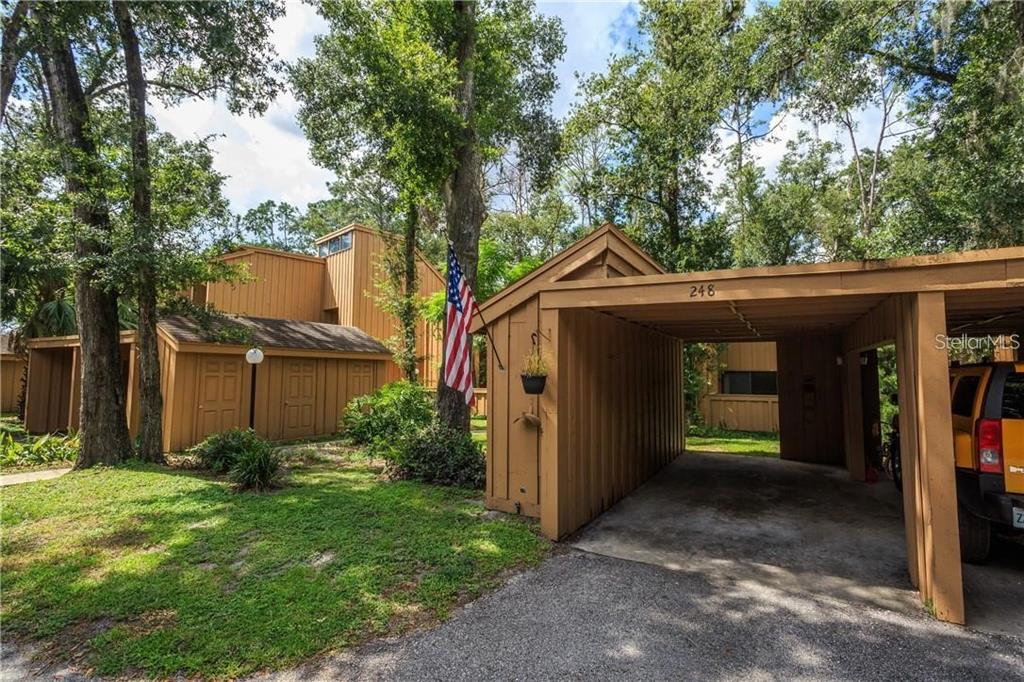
(535, 372)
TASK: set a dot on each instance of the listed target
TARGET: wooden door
(360, 378)
(220, 395)
(299, 420)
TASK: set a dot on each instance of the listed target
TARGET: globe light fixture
(253, 356)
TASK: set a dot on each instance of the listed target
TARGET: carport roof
(274, 333)
(984, 294)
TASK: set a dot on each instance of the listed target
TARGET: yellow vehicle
(988, 441)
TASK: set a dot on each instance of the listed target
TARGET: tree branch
(166, 85)
(12, 52)
(98, 76)
(926, 70)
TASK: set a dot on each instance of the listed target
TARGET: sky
(267, 157)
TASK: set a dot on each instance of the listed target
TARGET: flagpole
(490, 338)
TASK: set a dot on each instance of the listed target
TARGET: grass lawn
(161, 571)
(734, 442)
(478, 428)
(11, 425)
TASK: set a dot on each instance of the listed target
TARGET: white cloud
(593, 32)
(786, 127)
(267, 157)
(264, 157)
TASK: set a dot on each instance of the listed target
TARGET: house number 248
(702, 290)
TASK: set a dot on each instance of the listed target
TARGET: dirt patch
(321, 559)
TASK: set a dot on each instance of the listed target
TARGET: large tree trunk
(103, 427)
(150, 399)
(464, 204)
(409, 317)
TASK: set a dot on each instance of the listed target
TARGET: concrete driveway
(721, 567)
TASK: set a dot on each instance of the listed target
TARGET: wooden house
(12, 369)
(742, 388)
(316, 318)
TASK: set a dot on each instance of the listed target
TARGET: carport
(612, 326)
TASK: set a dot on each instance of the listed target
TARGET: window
(1013, 397)
(750, 383)
(342, 242)
(963, 397)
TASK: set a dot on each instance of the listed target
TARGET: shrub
(380, 419)
(46, 449)
(441, 454)
(220, 451)
(257, 468)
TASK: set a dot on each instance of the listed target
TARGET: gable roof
(246, 249)
(274, 333)
(606, 245)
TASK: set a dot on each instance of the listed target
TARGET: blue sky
(267, 157)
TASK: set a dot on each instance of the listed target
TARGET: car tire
(975, 536)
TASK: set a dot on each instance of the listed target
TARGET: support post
(926, 444)
(552, 467)
(853, 416)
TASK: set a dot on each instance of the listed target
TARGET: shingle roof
(272, 333)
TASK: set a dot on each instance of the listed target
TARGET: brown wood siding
(810, 399)
(338, 285)
(354, 292)
(282, 287)
(742, 412)
(620, 404)
(49, 400)
(323, 385)
(750, 357)
(614, 414)
(296, 397)
(12, 368)
(513, 442)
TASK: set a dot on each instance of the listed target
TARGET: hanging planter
(535, 371)
(533, 384)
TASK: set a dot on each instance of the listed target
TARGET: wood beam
(926, 446)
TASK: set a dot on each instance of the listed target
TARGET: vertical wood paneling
(282, 286)
(11, 370)
(621, 420)
(498, 422)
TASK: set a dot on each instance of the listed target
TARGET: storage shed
(12, 370)
(310, 371)
(612, 326)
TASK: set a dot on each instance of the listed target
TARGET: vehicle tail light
(990, 446)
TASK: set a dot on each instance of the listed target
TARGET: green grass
(733, 442)
(161, 571)
(478, 428)
(11, 424)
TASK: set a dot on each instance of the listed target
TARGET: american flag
(459, 309)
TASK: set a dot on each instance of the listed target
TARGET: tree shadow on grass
(194, 578)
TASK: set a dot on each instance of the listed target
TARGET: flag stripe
(460, 307)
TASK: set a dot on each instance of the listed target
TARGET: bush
(380, 419)
(220, 451)
(257, 468)
(441, 454)
(46, 449)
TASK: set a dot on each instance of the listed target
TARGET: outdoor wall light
(253, 356)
